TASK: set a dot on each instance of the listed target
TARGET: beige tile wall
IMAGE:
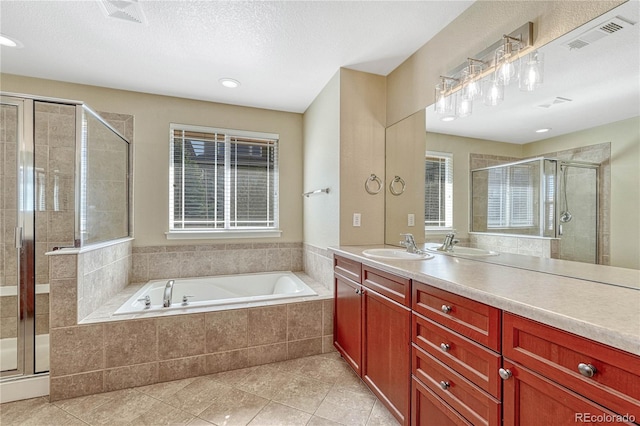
(529, 246)
(318, 264)
(159, 262)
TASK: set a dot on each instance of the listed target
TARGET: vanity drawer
(475, 362)
(395, 288)
(463, 396)
(556, 354)
(472, 319)
(347, 268)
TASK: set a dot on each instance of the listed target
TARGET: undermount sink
(463, 251)
(395, 254)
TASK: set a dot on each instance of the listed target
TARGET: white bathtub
(9, 353)
(224, 290)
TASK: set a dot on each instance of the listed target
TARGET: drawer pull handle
(444, 347)
(445, 385)
(445, 309)
(587, 370)
(505, 374)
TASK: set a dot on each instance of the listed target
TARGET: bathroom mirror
(590, 96)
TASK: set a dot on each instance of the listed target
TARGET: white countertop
(605, 313)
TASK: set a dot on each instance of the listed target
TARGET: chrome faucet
(168, 293)
(410, 244)
(449, 242)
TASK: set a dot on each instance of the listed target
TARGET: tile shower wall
(106, 178)
(159, 262)
(539, 247)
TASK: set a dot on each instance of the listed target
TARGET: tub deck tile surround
(93, 352)
(316, 390)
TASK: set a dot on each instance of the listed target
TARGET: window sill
(225, 234)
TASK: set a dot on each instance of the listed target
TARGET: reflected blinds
(438, 192)
(222, 179)
(510, 197)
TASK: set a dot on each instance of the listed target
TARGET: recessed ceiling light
(545, 130)
(448, 118)
(229, 82)
(9, 41)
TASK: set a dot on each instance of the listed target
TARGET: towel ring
(392, 188)
(372, 178)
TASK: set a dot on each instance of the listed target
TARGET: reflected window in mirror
(438, 191)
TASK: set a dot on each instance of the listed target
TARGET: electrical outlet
(411, 219)
(356, 219)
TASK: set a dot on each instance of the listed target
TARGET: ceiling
(601, 80)
(282, 52)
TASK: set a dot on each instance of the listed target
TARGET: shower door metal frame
(24, 236)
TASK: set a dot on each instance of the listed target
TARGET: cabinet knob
(587, 370)
(357, 291)
(445, 385)
(445, 347)
(445, 309)
(504, 373)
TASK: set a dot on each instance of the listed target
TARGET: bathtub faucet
(168, 293)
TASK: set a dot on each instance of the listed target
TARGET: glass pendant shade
(493, 92)
(531, 72)
(444, 101)
(507, 62)
(465, 107)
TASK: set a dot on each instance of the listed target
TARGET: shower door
(17, 289)
(577, 218)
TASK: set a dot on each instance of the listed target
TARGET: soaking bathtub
(223, 290)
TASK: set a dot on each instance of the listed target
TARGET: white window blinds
(438, 206)
(510, 197)
(222, 179)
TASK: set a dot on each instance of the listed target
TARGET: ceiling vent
(594, 34)
(557, 101)
(127, 10)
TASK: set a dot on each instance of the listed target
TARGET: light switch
(411, 219)
(356, 219)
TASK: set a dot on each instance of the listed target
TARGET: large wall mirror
(590, 101)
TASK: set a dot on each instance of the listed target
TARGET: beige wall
(362, 142)
(151, 148)
(461, 147)
(625, 181)
(321, 136)
(410, 87)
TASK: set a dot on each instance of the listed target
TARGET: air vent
(127, 10)
(594, 34)
(557, 101)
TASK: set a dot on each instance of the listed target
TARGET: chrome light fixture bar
(487, 73)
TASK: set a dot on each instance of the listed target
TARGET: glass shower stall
(540, 197)
(64, 177)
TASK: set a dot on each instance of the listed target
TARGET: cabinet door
(386, 354)
(530, 399)
(347, 321)
(429, 410)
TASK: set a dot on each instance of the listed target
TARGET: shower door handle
(18, 237)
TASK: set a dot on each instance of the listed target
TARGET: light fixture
(445, 102)
(7, 41)
(531, 71)
(506, 58)
(485, 75)
(545, 130)
(229, 82)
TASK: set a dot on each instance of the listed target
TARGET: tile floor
(316, 390)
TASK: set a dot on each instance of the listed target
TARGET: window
(222, 180)
(438, 191)
(510, 197)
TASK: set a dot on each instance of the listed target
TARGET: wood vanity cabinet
(372, 331)
(555, 377)
(455, 357)
(347, 321)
